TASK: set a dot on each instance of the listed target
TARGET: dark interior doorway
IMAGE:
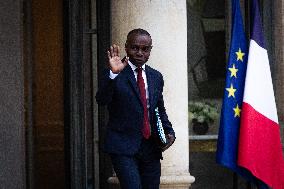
(48, 166)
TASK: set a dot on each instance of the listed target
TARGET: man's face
(138, 49)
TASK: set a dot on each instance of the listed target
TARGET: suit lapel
(132, 80)
(151, 82)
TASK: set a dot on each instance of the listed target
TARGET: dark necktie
(140, 81)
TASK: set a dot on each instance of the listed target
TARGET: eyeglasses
(145, 49)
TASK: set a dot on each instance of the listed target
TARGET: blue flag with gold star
(228, 138)
(227, 146)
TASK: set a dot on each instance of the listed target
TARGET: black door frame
(78, 82)
(78, 95)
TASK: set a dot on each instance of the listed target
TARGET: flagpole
(247, 17)
(248, 185)
(235, 181)
(247, 31)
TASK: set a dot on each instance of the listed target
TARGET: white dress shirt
(133, 67)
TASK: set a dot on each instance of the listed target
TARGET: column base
(176, 181)
(167, 182)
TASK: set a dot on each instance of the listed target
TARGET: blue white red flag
(260, 149)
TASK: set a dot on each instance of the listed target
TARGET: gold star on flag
(233, 71)
(237, 111)
(240, 55)
(231, 91)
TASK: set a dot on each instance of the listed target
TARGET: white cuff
(112, 75)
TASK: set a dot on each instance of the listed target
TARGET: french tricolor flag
(260, 149)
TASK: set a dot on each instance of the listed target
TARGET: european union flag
(228, 139)
(227, 147)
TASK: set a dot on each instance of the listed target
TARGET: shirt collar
(133, 67)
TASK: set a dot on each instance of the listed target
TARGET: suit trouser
(141, 171)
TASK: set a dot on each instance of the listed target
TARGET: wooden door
(48, 96)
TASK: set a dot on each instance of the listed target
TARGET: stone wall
(12, 143)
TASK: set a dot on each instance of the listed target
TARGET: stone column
(12, 95)
(166, 21)
(278, 67)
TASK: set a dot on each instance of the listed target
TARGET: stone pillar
(166, 21)
(278, 67)
(12, 99)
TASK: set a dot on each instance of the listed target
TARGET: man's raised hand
(115, 63)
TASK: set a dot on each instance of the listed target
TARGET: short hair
(137, 31)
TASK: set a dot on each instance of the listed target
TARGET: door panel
(48, 94)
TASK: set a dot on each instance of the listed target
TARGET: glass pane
(206, 60)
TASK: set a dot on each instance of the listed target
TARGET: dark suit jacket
(122, 97)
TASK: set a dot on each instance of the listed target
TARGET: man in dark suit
(132, 91)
